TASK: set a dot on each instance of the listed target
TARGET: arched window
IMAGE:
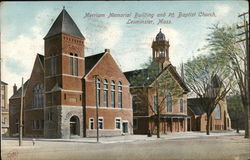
(181, 105)
(120, 94)
(73, 64)
(105, 93)
(53, 65)
(217, 112)
(169, 103)
(38, 96)
(113, 94)
(98, 85)
(76, 65)
(162, 53)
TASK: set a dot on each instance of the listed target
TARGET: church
(69, 94)
(159, 90)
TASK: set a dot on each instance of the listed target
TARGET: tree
(222, 42)
(209, 81)
(152, 85)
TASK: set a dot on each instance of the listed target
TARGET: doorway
(125, 127)
(74, 126)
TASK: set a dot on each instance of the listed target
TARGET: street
(226, 146)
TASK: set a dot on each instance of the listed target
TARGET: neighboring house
(64, 88)
(4, 107)
(174, 113)
(219, 120)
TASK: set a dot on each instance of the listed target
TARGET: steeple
(160, 50)
(64, 24)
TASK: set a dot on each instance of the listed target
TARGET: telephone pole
(246, 33)
(21, 119)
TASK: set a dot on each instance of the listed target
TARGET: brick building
(64, 88)
(4, 107)
(146, 95)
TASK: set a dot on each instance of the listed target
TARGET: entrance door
(74, 126)
(125, 127)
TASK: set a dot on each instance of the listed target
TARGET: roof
(64, 24)
(3, 83)
(19, 91)
(160, 36)
(145, 80)
(216, 82)
(90, 61)
(194, 105)
(131, 75)
(41, 57)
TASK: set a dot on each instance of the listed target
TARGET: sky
(25, 24)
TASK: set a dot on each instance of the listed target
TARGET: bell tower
(160, 50)
(64, 68)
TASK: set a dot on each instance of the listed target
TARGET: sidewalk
(135, 138)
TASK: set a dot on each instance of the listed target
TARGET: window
(169, 102)
(17, 126)
(37, 124)
(50, 116)
(105, 95)
(38, 96)
(100, 123)
(42, 124)
(76, 65)
(155, 103)
(181, 105)
(217, 112)
(113, 94)
(135, 103)
(53, 65)
(120, 94)
(98, 84)
(118, 123)
(91, 123)
(73, 64)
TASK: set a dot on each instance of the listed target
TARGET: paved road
(207, 147)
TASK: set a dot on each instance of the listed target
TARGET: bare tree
(209, 81)
(222, 42)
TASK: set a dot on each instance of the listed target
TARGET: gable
(107, 67)
(168, 77)
(37, 75)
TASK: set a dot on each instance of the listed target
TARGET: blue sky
(24, 24)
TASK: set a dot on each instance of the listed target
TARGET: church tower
(160, 50)
(64, 69)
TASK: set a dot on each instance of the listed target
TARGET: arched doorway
(74, 126)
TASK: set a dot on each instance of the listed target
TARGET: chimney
(14, 89)
(107, 50)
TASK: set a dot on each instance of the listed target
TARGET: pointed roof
(64, 24)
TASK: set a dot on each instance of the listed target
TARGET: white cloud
(19, 54)
(222, 10)
(111, 35)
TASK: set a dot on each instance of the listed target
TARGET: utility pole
(246, 32)
(0, 97)
(97, 106)
(21, 118)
